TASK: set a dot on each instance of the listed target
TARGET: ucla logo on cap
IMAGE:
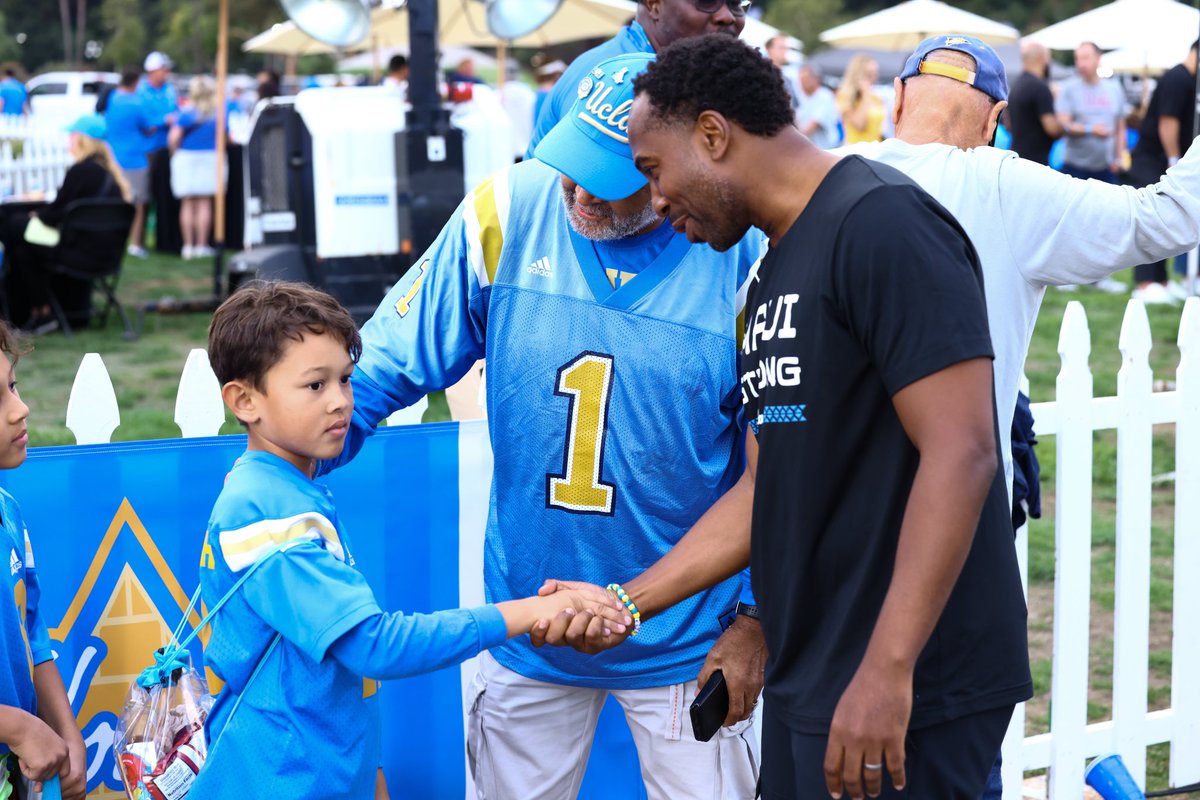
(955, 40)
(585, 87)
(608, 116)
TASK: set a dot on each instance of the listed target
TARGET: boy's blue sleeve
(309, 596)
(35, 626)
(431, 326)
(392, 645)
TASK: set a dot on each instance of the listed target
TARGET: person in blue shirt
(38, 735)
(14, 99)
(299, 636)
(131, 132)
(162, 105)
(193, 144)
(612, 399)
(657, 24)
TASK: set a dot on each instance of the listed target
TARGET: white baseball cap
(156, 60)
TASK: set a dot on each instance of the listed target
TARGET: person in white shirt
(1032, 226)
(817, 116)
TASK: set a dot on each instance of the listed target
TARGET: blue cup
(50, 789)
(1108, 776)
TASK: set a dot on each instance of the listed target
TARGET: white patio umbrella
(460, 22)
(1154, 60)
(904, 26)
(1146, 25)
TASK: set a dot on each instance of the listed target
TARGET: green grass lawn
(145, 374)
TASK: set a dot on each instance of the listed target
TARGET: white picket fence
(33, 157)
(1072, 419)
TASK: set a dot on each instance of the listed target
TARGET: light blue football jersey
(613, 413)
(24, 641)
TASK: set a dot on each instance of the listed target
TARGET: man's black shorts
(950, 761)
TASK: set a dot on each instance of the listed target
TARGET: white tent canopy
(1153, 60)
(904, 26)
(462, 22)
(459, 23)
(1147, 26)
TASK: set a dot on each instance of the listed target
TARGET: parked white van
(59, 98)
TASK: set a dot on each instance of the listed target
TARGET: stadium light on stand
(512, 19)
(340, 23)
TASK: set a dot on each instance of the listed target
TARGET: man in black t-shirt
(881, 550)
(1031, 107)
(1166, 134)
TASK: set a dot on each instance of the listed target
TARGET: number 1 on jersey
(587, 382)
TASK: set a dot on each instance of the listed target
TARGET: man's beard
(610, 226)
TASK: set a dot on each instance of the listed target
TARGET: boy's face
(13, 413)
(303, 412)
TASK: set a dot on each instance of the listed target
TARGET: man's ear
(898, 100)
(241, 399)
(653, 8)
(993, 120)
(714, 132)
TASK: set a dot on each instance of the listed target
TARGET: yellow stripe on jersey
(491, 234)
(243, 546)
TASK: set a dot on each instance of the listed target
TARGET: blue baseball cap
(989, 76)
(92, 125)
(590, 145)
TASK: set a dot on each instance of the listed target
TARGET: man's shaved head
(1034, 55)
(935, 108)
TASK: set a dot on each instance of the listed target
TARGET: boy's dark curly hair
(250, 330)
(12, 344)
(719, 73)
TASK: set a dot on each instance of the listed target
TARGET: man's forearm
(935, 538)
(1168, 134)
(716, 547)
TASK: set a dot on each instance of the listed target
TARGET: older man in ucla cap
(612, 405)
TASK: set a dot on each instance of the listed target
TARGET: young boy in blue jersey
(296, 640)
(38, 734)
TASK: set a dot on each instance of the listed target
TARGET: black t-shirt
(875, 286)
(1028, 100)
(1175, 96)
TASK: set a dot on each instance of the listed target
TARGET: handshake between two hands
(581, 615)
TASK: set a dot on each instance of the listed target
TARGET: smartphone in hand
(710, 707)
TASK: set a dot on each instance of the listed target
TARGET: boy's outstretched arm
(394, 645)
(55, 710)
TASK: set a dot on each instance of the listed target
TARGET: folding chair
(91, 247)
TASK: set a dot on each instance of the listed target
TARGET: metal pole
(427, 114)
(219, 197)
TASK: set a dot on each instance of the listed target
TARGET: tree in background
(125, 32)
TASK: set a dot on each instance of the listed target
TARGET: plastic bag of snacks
(160, 743)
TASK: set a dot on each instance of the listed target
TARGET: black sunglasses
(737, 7)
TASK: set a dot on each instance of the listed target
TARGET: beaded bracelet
(623, 596)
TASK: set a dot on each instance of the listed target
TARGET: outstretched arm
(1086, 230)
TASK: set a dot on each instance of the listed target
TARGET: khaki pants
(527, 738)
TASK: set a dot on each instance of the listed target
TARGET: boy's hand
(74, 783)
(41, 752)
(589, 618)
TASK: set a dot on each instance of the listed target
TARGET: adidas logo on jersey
(541, 267)
(14, 561)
